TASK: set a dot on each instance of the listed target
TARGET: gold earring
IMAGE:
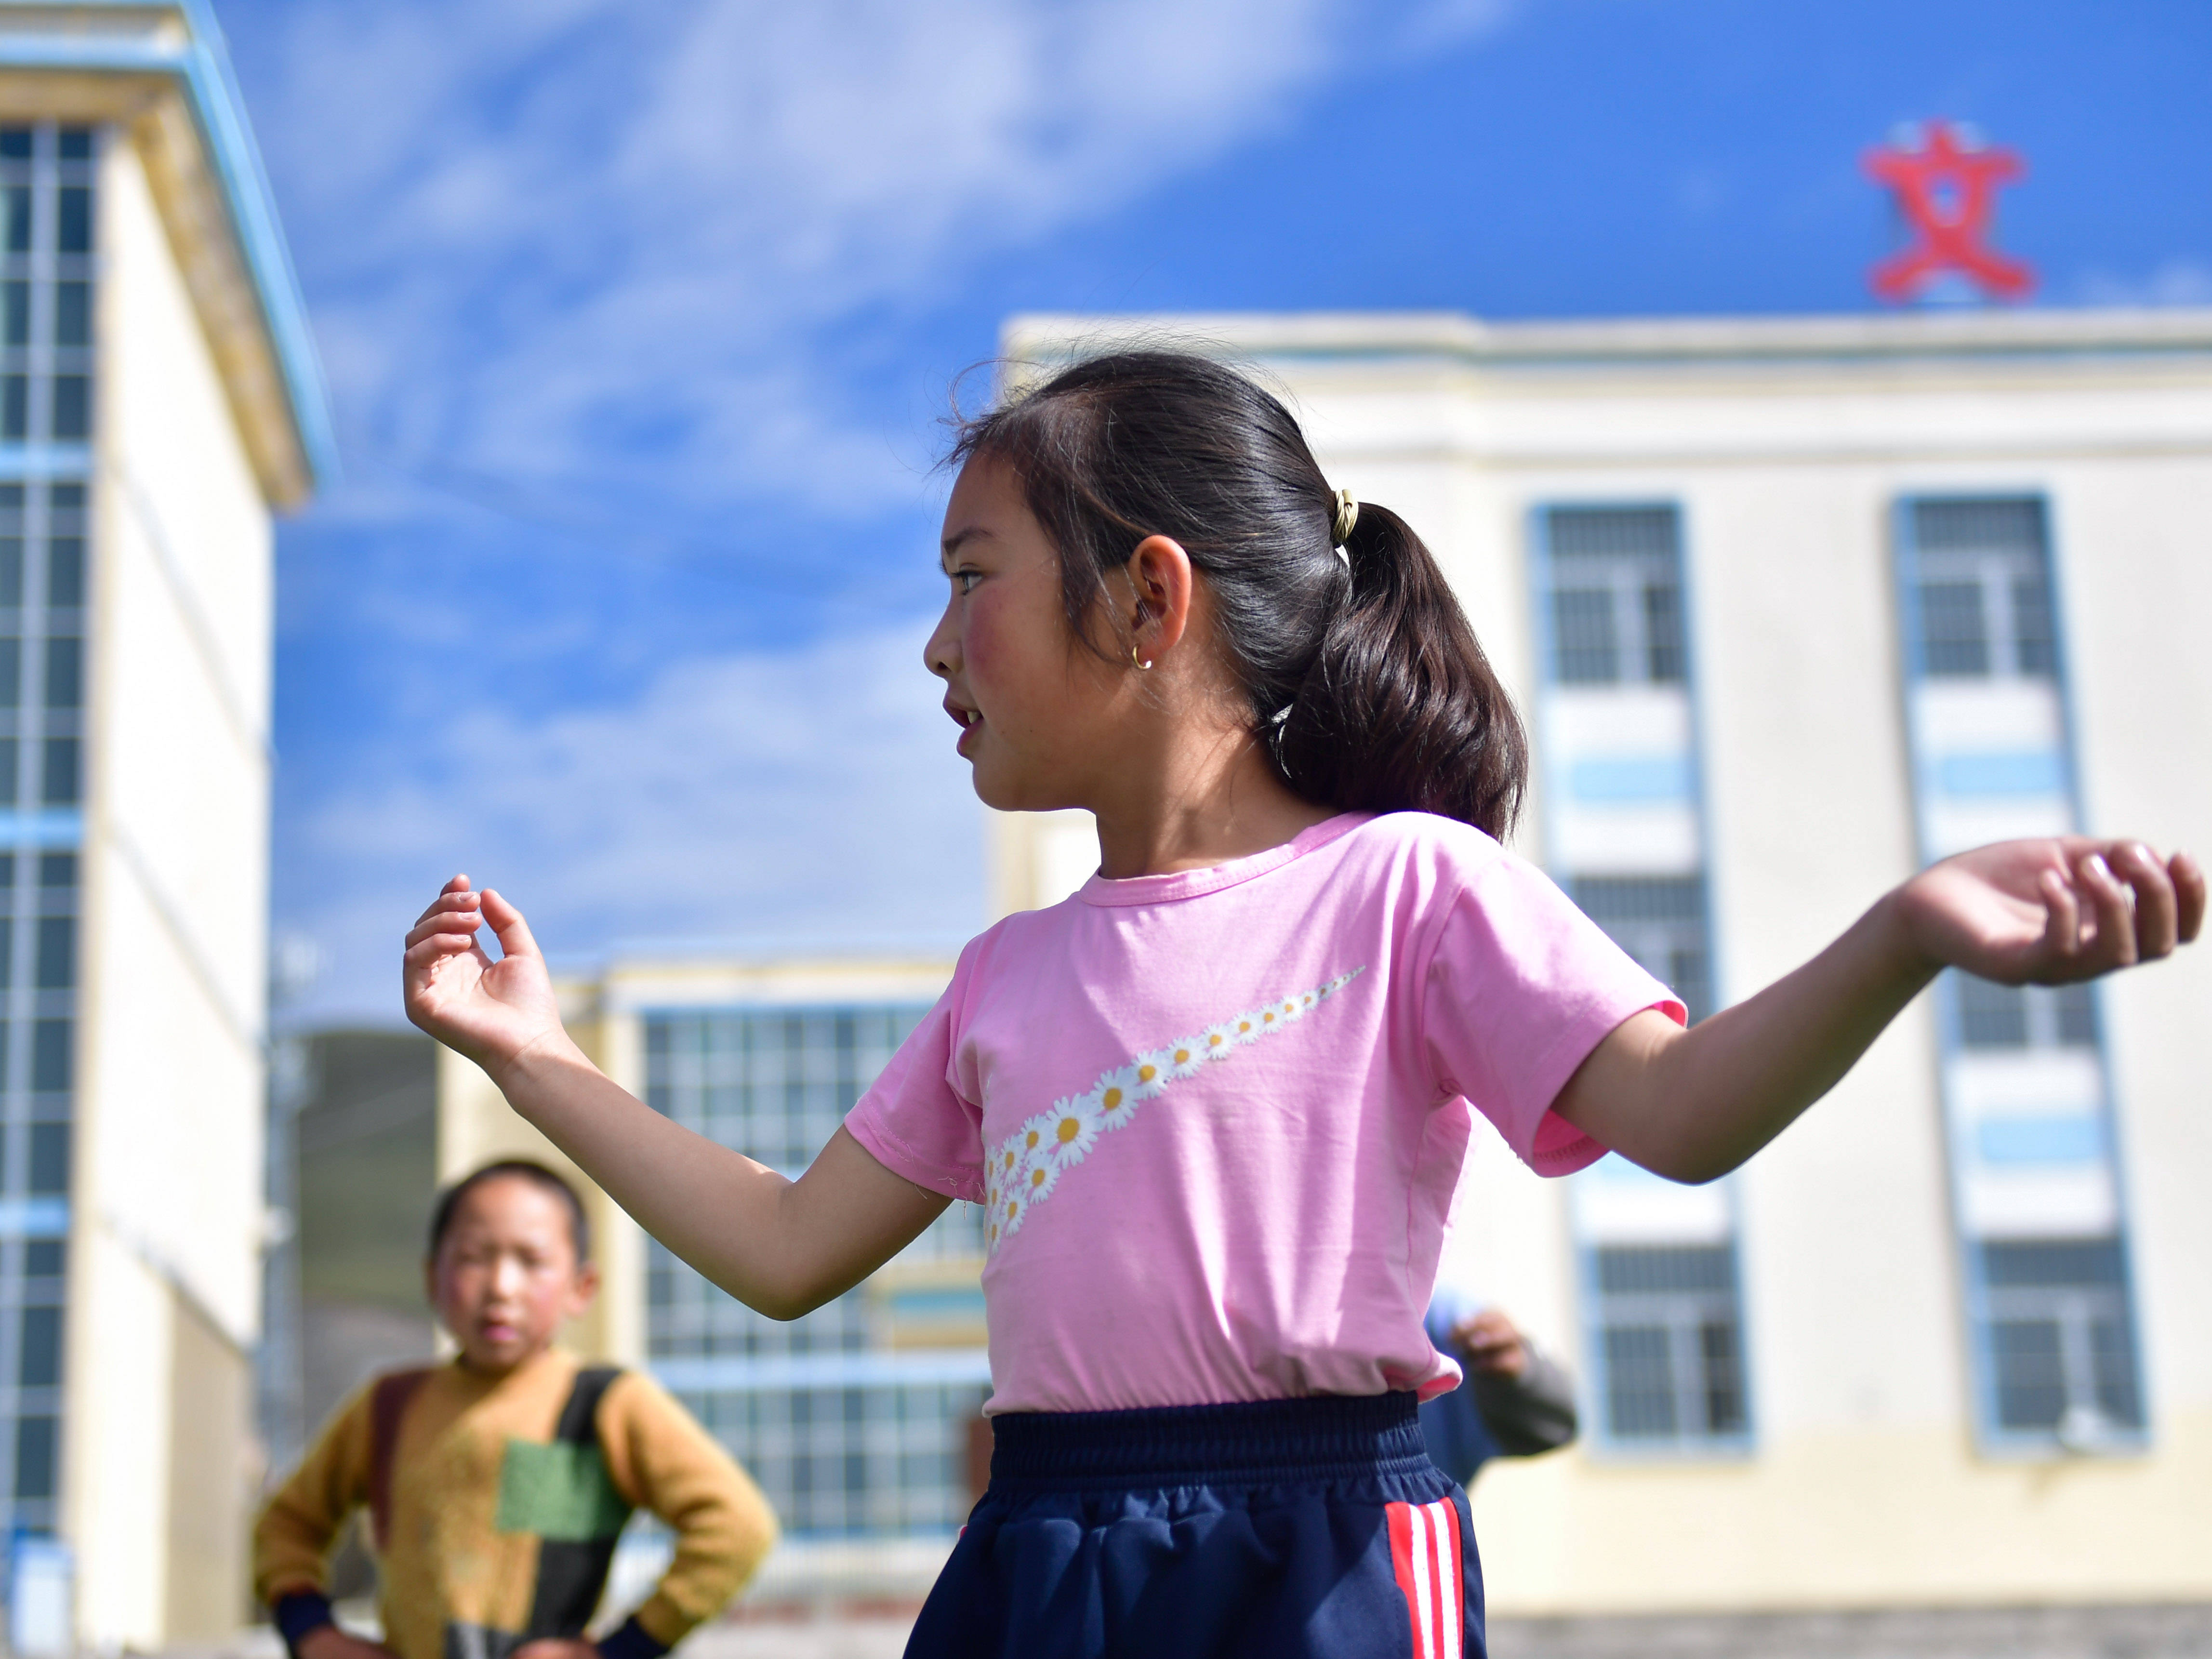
(1133, 658)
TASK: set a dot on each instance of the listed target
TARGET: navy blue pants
(1281, 1529)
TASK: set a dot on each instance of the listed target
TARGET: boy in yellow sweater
(496, 1484)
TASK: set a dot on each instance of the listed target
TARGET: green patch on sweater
(562, 1492)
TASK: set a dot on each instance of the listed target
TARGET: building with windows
(158, 400)
(857, 1419)
(1793, 606)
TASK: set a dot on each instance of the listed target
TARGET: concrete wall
(166, 1202)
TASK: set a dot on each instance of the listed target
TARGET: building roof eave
(1353, 336)
(179, 46)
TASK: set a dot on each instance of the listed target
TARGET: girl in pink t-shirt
(1217, 1101)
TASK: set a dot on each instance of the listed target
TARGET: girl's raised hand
(488, 1011)
(2054, 911)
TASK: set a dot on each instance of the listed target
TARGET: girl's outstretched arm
(779, 1246)
(1691, 1105)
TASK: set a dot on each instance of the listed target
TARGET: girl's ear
(1160, 583)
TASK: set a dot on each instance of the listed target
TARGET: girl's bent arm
(781, 1247)
(1694, 1104)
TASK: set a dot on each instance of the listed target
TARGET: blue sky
(641, 321)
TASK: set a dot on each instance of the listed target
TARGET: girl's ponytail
(1400, 708)
(1367, 687)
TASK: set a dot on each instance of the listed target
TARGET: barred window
(1992, 1015)
(1616, 595)
(1983, 588)
(840, 1442)
(2060, 1341)
(38, 992)
(1670, 1344)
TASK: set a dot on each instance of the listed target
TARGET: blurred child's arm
(1694, 1104)
(661, 1460)
(300, 1522)
(778, 1246)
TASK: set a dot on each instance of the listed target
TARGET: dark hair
(522, 1169)
(1366, 684)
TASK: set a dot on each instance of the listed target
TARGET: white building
(158, 399)
(857, 1419)
(1795, 606)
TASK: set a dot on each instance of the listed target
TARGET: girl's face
(1042, 715)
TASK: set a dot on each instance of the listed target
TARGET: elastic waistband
(1249, 1443)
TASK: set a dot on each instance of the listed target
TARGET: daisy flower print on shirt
(1073, 1129)
(1181, 1060)
(1025, 1168)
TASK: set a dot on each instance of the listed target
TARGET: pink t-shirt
(1218, 1116)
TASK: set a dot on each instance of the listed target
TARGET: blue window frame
(2035, 1191)
(1662, 1306)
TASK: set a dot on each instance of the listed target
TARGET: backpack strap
(572, 1571)
(386, 1406)
(579, 1417)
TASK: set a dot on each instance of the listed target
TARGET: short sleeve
(914, 1123)
(1521, 986)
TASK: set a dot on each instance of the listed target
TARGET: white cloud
(603, 240)
(813, 791)
(533, 232)
(2177, 282)
(571, 255)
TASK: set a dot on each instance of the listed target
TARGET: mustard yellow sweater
(496, 1501)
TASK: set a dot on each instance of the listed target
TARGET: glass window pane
(64, 672)
(1665, 661)
(15, 143)
(56, 870)
(16, 209)
(1991, 1015)
(11, 672)
(72, 314)
(43, 1258)
(1717, 1346)
(75, 145)
(49, 1158)
(34, 1457)
(1653, 1269)
(1586, 646)
(2082, 1263)
(57, 963)
(65, 572)
(11, 571)
(2035, 642)
(60, 782)
(72, 407)
(2077, 1015)
(40, 1365)
(15, 407)
(1639, 1383)
(16, 312)
(1955, 633)
(2112, 1359)
(50, 1058)
(10, 758)
(2031, 1384)
(74, 231)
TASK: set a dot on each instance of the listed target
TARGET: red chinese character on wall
(1945, 183)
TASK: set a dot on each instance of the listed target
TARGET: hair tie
(1347, 515)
